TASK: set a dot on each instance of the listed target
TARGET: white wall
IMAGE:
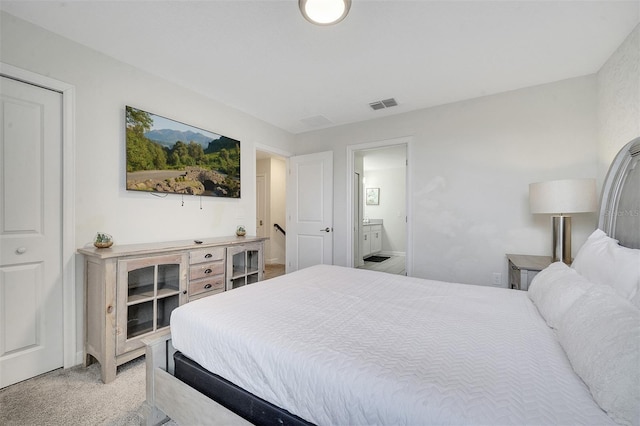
(471, 167)
(103, 87)
(619, 100)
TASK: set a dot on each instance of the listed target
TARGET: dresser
(131, 290)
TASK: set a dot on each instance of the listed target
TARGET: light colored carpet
(76, 396)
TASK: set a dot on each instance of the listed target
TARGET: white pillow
(601, 335)
(603, 261)
(554, 289)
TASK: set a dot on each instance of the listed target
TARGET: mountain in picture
(168, 137)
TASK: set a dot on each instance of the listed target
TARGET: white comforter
(341, 346)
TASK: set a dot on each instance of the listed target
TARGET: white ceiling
(263, 58)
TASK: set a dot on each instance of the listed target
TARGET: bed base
(181, 389)
(250, 407)
(168, 397)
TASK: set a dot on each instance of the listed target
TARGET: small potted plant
(241, 231)
(103, 240)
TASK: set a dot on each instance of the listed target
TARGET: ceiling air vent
(387, 103)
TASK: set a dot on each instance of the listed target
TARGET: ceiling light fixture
(324, 12)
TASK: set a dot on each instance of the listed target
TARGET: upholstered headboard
(620, 202)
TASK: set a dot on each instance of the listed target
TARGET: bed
(333, 345)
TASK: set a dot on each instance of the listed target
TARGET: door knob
(21, 250)
(327, 229)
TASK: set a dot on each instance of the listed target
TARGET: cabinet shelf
(165, 292)
(237, 272)
(135, 329)
(143, 329)
(149, 295)
(243, 273)
(140, 298)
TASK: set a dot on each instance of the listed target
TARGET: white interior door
(31, 303)
(309, 211)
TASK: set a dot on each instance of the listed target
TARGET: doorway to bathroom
(379, 206)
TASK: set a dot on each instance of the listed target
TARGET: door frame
(71, 355)
(265, 214)
(280, 153)
(351, 150)
(356, 214)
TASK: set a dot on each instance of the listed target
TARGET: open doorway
(271, 209)
(379, 206)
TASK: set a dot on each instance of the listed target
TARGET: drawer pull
(208, 271)
(208, 256)
(208, 286)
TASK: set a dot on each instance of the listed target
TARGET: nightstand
(522, 269)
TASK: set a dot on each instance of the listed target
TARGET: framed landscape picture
(372, 196)
(168, 156)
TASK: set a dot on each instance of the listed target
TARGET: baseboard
(391, 253)
(79, 357)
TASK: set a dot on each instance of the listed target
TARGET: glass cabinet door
(155, 286)
(239, 266)
(245, 262)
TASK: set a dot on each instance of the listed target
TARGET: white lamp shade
(563, 196)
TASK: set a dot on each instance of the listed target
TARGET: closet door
(31, 303)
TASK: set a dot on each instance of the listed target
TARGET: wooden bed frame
(167, 396)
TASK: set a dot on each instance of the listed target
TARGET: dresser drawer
(203, 270)
(206, 255)
(209, 285)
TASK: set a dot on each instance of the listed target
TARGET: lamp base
(561, 239)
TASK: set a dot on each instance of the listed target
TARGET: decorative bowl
(103, 245)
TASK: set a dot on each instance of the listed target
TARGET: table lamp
(559, 197)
